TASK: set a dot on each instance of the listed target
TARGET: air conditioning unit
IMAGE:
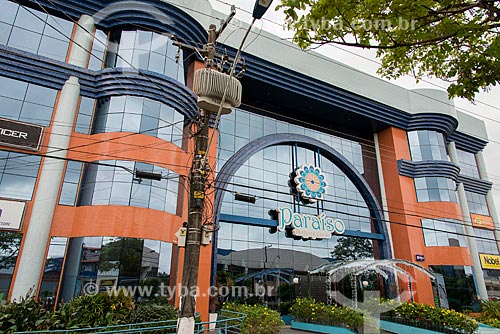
(209, 85)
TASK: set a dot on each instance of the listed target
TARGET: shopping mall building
(93, 91)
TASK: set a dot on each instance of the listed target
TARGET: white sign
(11, 215)
(309, 226)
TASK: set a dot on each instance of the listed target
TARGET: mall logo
(309, 226)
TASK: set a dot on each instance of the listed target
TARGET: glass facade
(266, 174)
(52, 271)
(435, 189)
(114, 262)
(96, 61)
(427, 145)
(146, 50)
(443, 232)
(139, 115)
(34, 31)
(477, 203)
(70, 183)
(18, 173)
(85, 113)
(26, 102)
(255, 255)
(115, 185)
(467, 163)
(485, 240)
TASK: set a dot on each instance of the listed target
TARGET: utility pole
(198, 178)
(211, 100)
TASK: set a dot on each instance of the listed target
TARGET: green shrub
(151, 311)
(424, 316)
(26, 315)
(490, 313)
(94, 311)
(259, 319)
(312, 311)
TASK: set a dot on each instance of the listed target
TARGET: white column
(82, 42)
(385, 207)
(469, 231)
(489, 197)
(36, 238)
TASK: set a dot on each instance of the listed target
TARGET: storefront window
(467, 163)
(443, 232)
(457, 286)
(9, 249)
(107, 263)
(110, 185)
(427, 145)
(435, 189)
(34, 31)
(52, 271)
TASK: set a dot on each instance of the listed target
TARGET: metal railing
(228, 322)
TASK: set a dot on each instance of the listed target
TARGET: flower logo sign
(310, 183)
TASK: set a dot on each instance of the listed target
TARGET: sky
(486, 106)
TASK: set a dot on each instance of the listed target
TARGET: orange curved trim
(129, 146)
(115, 221)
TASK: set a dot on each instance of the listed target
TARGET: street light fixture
(260, 8)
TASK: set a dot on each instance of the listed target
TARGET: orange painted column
(406, 213)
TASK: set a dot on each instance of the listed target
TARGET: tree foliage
(9, 248)
(454, 40)
(352, 249)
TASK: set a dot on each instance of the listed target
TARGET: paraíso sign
(309, 226)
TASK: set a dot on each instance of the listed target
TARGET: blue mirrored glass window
(25, 102)
(113, 184)
(18, 173)
(443, 232)
(139, 115)
(467, 163)
(427, 145)
(34, 31)
(477, 203)
(435, 189)
(485, 241)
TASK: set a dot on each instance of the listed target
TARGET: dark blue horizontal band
(119, 14)
(429, 168)
(50, 73)
(475, 185)
(187, 29)
(261, 222)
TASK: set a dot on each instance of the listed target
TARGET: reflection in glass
(107, 185)
(9, 249)
(114, 262)
(31, 30)
(52, 271)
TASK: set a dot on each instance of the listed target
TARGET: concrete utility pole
(198, 177)
(217, 94)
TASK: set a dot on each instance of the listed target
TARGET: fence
(228, 322)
